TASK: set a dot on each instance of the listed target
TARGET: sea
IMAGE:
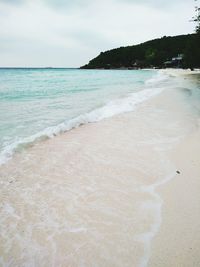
(41, 103)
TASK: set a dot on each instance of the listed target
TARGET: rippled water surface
(31, 100)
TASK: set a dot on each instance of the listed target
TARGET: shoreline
(97, 189)
(90, 117)
(177, 242)
(113, 107)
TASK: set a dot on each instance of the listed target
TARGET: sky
(69, 33)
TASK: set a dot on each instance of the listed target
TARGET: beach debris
(178, 172)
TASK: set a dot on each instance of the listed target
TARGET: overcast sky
(68, 33)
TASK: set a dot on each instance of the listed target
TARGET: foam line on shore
(115, 107)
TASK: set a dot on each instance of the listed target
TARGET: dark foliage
(192, 52)
(150, 54)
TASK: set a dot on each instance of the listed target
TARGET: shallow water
(32, 100)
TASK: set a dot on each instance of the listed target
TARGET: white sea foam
(111, 109)
(158, 78)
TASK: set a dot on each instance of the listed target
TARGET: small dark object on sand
(178, 172)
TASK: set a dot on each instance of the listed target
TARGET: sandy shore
(177, 242)
(107, 193)
(181, 72)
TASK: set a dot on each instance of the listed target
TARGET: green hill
(154, 53)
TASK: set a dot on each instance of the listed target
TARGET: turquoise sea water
(32, 100)
(41, 103)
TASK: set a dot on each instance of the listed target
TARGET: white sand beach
(177, 242)
(120, 192)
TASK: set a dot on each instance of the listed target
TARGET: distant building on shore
(175, 62)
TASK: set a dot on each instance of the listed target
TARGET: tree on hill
(196, 18)
(192, 51)
(151, 53)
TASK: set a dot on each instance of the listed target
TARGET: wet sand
(107, 193)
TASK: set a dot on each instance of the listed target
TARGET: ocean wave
(115, 107)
